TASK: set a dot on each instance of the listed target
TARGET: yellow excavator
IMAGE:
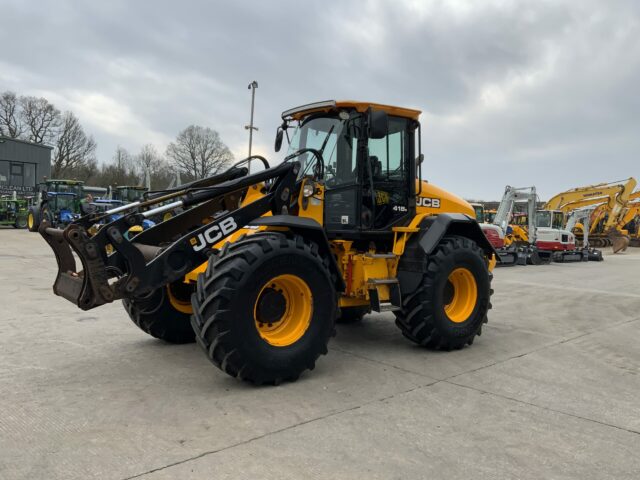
(630, 220)
(612, 198)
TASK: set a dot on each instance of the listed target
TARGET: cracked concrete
(550, 390)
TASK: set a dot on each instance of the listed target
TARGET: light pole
(252, 86)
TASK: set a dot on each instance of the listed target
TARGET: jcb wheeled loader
(258, 267)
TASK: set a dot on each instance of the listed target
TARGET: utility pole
(252, 86)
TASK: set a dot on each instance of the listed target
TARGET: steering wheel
(318, 169)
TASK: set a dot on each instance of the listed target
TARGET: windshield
(550, 219)
(130, 194)
(479, 213)
(335, 139)
(64, 202)
(543, 219)
(64, 187)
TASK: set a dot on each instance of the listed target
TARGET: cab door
(386, 187)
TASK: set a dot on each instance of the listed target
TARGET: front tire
(265, 308)
(449, 306)
(165, 313)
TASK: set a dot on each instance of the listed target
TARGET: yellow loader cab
(258, 267)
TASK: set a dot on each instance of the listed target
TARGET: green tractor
(13, 212)
(129, 193)
(60, 203)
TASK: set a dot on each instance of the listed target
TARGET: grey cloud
(513, 91)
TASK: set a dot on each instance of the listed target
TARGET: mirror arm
(420, 160)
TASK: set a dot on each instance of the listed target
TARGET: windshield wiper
(326, 139)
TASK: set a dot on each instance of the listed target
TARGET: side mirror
(420, 159)
(279, 135)
(378, 123)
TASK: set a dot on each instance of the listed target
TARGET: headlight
(308, 190)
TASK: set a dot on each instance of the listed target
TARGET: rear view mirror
(279, 135)
(378, 123)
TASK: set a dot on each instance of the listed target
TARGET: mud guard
(307, 228)
(436, 227)
(433, 229)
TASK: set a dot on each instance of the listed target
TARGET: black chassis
(164, 253)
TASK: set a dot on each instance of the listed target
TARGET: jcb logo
(213, 234)
(428, 202)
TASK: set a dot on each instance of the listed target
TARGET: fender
(308, 228)
(437, 226)
(433, 229)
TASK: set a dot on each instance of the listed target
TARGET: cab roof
(302, 111)
(63, 181)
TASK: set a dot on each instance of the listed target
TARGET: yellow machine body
(362, 272)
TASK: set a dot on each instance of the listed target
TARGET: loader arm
(165, 252)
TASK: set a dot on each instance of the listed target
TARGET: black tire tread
(156, 316)
(421, 328)
(216, 288)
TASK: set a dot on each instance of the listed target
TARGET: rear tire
(164, 314)
(45, 214)
(244, 288)
(449, 306)
(33, 219)
(21, 222)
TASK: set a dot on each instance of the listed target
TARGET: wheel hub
(283, 310)
(460, 295)
(271, 306)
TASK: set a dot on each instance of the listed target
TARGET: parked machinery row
(568, 227)
(529, 235)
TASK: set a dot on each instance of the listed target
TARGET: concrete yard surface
(550, 390)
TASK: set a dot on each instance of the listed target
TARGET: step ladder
(395, 298)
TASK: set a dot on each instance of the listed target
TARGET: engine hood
(433, 199)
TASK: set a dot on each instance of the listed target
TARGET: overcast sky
(524, 93)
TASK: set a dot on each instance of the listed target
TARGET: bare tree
(199, 152)
(73, 148)
(10, 121)
(122, 159)
(121, 171)
(148, 160)
(41, 119)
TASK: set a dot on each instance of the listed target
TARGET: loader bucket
(619, 243)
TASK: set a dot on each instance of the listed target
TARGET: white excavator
(583, 215)
(539, 240)
(515, 243)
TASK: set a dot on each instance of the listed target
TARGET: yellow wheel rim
(464, 295)
(283, 309)
(30, 220)
(183, 306)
